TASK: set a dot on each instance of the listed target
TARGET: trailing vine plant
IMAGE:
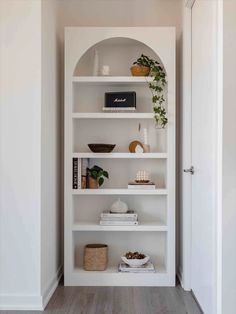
(156, 87)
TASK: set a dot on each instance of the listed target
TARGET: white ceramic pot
(135, 262)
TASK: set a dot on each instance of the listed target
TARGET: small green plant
(98, 174)
(157, 88)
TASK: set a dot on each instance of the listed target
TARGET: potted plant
(96, 177)
(140, 67)
(156, 87)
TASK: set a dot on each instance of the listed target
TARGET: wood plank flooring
(118, 300)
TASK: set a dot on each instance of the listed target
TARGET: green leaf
(105, 173)
(94, 174)
(100, 173)
(97, 168)
(100, 181)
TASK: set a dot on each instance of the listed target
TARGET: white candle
(145, 135)
(96, 63)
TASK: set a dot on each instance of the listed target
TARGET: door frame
(184, 272)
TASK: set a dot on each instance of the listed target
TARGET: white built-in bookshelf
(85, 122)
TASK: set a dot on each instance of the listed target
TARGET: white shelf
(119, 192)
(142, 227)
(111, 276)
(112, 115)
(121, 155)
(113, 269)
(99, 80)
(84, 97)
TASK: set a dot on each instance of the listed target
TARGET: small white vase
(96, 63)
(119, 207)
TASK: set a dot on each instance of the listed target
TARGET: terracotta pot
(139, 70)
(93, 184)
(84, 182)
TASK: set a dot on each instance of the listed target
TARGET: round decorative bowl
(135, 262)
(101, 148)
(138, 70)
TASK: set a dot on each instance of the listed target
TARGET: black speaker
(118, 101)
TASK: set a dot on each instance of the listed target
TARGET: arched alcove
(118, 53)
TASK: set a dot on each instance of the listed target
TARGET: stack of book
(141, 185)
(119, 219)
(146, 268)
(79, 173)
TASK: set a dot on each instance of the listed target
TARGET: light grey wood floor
(118, 300)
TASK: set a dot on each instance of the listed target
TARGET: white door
(204, 80)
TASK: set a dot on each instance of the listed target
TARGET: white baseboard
(181, 280)
(51, 287)
(30, 302)
(20, 302)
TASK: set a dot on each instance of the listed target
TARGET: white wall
(20, 135)
(29, 207)
(229, 160)
(120, 13)
(50, 154)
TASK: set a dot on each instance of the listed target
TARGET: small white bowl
(135, 262)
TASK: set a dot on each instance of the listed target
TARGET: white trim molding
(186, 137)
(20, 302)
(51, 287)
(219, 154)
(30, 302)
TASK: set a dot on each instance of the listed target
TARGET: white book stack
(146, 268)
(144, 186)
(119, 219)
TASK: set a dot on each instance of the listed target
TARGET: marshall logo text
(120, 100)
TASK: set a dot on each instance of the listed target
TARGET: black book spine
(75, 174)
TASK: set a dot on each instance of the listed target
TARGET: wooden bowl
(101, 148)
(138, 70)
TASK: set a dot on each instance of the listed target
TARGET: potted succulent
(96, 177)
(156, 87)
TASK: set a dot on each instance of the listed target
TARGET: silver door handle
(191, 170)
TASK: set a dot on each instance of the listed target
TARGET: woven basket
(138, 70)
(95, 257)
